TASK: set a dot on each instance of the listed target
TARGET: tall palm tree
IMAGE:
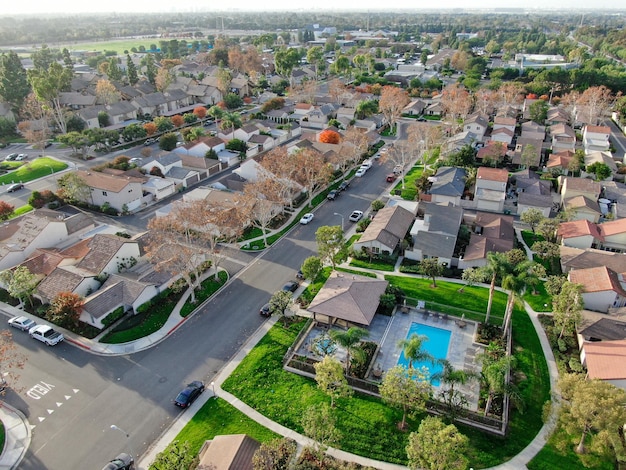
(413, 352)
(497, 267)
(348, 339)
(522, 276)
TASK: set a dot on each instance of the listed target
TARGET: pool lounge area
(387, 331)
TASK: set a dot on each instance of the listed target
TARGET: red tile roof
(606, 360)
(578, 228)
(492, 174)
(598, 279)
(613, 227)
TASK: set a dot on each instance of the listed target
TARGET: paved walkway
(18, 429)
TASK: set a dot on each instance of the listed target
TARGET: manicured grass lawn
(530, 238)
(314, 287)
(550, 457)
(472, 301)
(207, 289)
(540, 302)
(354, 271)
(22, 210)
(379, 265)
(118, 46)
(217, 417)
(409, 193)
(33, 169)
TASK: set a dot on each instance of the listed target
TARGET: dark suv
(332, 195)
(121, 462)
(343, 186)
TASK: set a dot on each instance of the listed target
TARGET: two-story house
(596, 138)
(448, 185)
(490, 189)
(123, 193)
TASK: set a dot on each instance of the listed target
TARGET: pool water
(436, 345)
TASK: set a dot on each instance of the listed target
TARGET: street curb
(18, 436)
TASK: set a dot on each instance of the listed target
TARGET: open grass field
(118, 46)
(33, 169)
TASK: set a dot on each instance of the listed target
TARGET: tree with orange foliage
(177, 120)
(200, 112)
(6, 210)
(65, 309)
(329, 136)
(392, 101)
(150, 128)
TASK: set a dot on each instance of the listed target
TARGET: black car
(291, 286)
(332, 195)
(189, 394)
(300, 275)
(121, 462)
(343, 186)
(15, 187)
(265, 311)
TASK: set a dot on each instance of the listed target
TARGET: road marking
(41, 419)
(67, 397)
(39, 390)
(75, 390)
(59, 404)
(50, 411)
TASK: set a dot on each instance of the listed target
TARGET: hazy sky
(90, 6)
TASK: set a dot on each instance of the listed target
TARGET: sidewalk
(17, 436)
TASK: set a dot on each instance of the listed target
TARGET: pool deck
(387, 331)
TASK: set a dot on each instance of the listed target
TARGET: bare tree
(457, 102)
(106, 93)
(34, 127)
(392, 102)
(264, 198)
(311, 170)
(594, 104)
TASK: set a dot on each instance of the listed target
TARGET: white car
(46, 335)
(367, 164)
(22, 323)
(355, 216)
(306, 218)
(360, 172)
(20, 157)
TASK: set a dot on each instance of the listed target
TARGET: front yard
(33, 169)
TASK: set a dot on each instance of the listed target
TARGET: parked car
(149, 142)
(14, 187)
(391, 177)
(265, 311)
(121, 462)
(398, 169)
(21, 157)
(135, 161)
(22, 323)
(306, 218)
(189, 394)
(343, 186)
(10, 157)
(360, 172)
(355, 216)
(367, 164)
(46, 334)
(332, 195)
(300, 275)
(291, 286)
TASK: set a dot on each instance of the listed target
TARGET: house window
(104, 193)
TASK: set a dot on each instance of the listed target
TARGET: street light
(339, 215)
(213, 388)
(117, 428)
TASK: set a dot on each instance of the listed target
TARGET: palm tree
(231, 120)
(497, 267)
(413, 352)
(348, 339)
(523, 275)
(453, 377)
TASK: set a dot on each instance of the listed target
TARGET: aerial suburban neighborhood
(353, 240)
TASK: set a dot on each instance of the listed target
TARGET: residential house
(578, 234)
(490, 233)
(492, 153)
(261, 142)
(502, 135)
(348, 299)
(561, 161)
(503, 122)
(583, 208)
(160, 188)
(448, 185)
(153, 104)
(385, 232)
(458, 141)
(123, 193)
(603, 288)
(601, 157)
(164, 162)
(435, 235)
(605, 360)
(527, 153)
(596, 138)
(533, 192)
(563, 137)
(613, 235)
(557, 116)
(414, 108)
(120, 113)
(228, 452)
(477, 125)
(346, 113)
(575, 258)
(76, 100)
(616, 193)
(199, 148)
(490, 189)
(570, 187)
(434, 109)
(43, 228)
(534, 131)
(183, 177)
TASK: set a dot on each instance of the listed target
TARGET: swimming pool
(436, 346)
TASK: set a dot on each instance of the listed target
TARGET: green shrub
(113, 316)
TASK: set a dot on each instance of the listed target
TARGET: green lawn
(207, 289)
(379, 265)
(314, 287)
(354, 271)
(33, 169)
(217, 417)
(530, 238)
(22, 210)
(409, 193)
(472, 301)
(541, 301)
(118, 46)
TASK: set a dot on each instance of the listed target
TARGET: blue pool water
(436, 345)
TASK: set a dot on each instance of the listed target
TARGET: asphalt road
(72, 397)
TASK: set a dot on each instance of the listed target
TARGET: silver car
(22, 323)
